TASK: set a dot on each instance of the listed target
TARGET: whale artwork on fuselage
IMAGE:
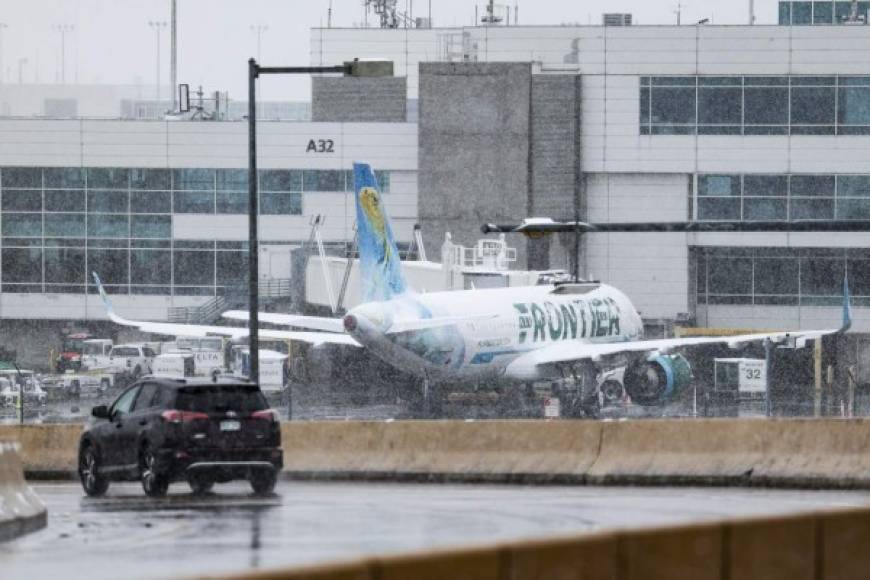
(514, 334)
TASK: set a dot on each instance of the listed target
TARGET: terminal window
(61, 223)
(761, 197)
(755, 105)
(804, 13)
(781, 276)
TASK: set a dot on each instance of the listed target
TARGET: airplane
(511, 335)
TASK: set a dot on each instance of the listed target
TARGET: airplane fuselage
(493, 327)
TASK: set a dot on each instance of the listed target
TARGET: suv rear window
(221, 398)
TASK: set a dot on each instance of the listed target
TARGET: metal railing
(229, 298)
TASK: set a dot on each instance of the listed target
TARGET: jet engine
(657, 379)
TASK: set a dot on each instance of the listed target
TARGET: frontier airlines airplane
(517, 334)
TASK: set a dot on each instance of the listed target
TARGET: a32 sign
(320, 146)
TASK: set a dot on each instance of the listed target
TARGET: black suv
(162, 430)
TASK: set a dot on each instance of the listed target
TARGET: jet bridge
(487, 264)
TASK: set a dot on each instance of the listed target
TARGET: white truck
(205, 363)
(177, 364)
(135, 359)
(95, 353)
(272, 364)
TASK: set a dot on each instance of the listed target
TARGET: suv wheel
(200, 485)
(263, 482)
(89, 463)
(154, 484)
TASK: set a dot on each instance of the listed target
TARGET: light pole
(3, 26)
(157, 26)
(354, 68)
(63, 29)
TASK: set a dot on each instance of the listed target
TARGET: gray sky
(112, 43)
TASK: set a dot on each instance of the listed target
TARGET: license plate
(230, 425)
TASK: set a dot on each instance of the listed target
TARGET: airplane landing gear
(428, 402)
(584, 400)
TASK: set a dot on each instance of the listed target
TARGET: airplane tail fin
(380, 265)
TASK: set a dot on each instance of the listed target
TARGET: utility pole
(157, 26)
(63, 29)
(259, 29)
(679, 11)
(174, 50)
(3, 26)
(751, 12)
(21, 63)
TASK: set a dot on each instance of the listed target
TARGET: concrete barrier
(784, 452)
(782, 548)
(21, 511)
(497, 450)
(845, 537)
(818, 546)
(678, 451)
(48, 451)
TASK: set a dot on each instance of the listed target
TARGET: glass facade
(61, 223)
(782, 276)
(760, 197)
(755, 105)
(802, 13)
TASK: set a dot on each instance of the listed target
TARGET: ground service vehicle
(10, 391)
(273, 375)
(133, 358)
(95, 353)
(75, 385)
(70, 355)
(161, 430)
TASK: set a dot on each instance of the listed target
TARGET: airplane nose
(350, 323)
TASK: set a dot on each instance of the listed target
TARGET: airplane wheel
(612, 391)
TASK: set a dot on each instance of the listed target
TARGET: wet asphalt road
(126, 535)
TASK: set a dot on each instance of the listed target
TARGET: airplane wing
(337, 325)
(311, 322)
(528, 364)
(174, 329)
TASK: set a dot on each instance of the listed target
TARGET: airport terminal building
(483, 124)
(642, 123)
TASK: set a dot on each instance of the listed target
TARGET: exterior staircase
(230, 298)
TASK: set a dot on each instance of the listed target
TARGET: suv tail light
(174, 416)
(268, 415)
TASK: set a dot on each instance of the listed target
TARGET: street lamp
(354, 68)
(63, 29)
(157, 26)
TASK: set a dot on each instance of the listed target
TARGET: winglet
(106, 302)
(847, 306)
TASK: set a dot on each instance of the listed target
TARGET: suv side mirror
(100, 412)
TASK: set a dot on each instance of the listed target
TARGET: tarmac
(128, 535)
